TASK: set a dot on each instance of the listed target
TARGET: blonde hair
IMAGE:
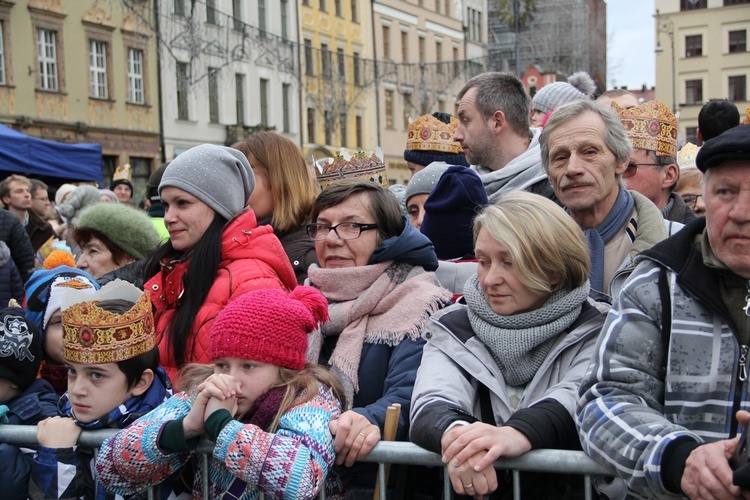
(301, 385)
(544, 241)
(689, 175)
(293, 184)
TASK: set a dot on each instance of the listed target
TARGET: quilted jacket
(252, 258)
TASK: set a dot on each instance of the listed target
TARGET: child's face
(53, 335)
(96, 390)
(8, 390)
(255, 378)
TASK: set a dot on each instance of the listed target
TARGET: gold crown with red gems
(92, 335)
(359, 166)
(651, 126)
(427, 133)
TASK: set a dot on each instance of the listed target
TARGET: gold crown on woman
(427, 133)
(651, 126)
(687, 154)
(359, 166)
(92, 335)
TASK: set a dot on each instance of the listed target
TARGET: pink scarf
(380, 303)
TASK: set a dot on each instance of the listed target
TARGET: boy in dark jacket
(24, 399)
(114, 377)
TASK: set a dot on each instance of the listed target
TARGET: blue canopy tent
(27, 155)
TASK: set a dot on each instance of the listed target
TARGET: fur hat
(268, 326)
(44, 292)
(430, 139)
(579, 87)
(92, 335)
(20, 348)
(450, 210)
(125, 226)
(425, 180)
(218, 176)
(734, 144)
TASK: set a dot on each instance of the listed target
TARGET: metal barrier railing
(393, 452)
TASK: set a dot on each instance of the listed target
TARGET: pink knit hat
(269, 326)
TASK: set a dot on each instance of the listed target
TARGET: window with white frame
(47, 56)
(2, 56)
(135, 76)
(98, 69)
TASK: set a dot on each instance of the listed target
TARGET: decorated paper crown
(747, 116)
(427, 133)
(359, 166)
(92, 335)
(122, 173)
(650, 126)
(686, 155)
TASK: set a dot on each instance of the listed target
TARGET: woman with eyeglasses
(689, 188)
(375, 269)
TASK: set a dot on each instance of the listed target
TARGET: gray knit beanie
(425, 180)
(218, 176)
(125, 226)
(579, 87)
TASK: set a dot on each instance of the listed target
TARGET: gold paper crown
(122, 173)
(650, 126)
(687, 154)
(92, 335)
(747, 116)
(360, 166)
(427, 133)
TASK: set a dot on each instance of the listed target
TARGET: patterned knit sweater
(293, 462)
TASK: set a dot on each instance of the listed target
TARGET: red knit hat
(269, 326)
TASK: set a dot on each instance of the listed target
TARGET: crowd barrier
(385, 452)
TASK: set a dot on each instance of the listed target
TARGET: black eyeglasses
(344, 230)
(691, 200)
(632, 168)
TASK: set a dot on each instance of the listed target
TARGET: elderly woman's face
(333, 252)
(503, 290)
(95, 258)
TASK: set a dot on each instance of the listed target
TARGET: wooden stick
(392, 414)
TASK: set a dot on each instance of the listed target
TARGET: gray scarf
(520, 343)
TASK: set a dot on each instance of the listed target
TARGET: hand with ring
(467, 481)
(354, 437)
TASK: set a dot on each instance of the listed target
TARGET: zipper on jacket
(743, 363)
(747, 300)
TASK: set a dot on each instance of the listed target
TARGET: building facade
(702, 54)
(83, 71)
(338, 73)
(559, 36)
(422, 45)
(228, 67)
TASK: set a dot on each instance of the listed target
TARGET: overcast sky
(630, 43)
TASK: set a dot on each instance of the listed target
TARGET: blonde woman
(285, 190)
(500, 372)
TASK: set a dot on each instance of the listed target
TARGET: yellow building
(338, 96)
(702, 54)
(83, 71)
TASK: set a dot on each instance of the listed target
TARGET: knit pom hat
(579, 87)
(218, 176)
(425, 180)
(125, 226)
(450, 210)
(268, 326)
(20, 348)
(44, 292)
(109, 194)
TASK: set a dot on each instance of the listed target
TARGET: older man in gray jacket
(661, 400)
